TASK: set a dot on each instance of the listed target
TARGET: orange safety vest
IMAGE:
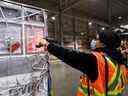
(116, 79)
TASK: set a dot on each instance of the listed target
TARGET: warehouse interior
(73, 24)
(77, 15)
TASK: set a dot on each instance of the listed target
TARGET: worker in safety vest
(103, 71)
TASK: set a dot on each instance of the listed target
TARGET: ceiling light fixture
(53, 18)
(121, 26)
(82, 33)
(90, 23)
(120, 17)
(103, 28)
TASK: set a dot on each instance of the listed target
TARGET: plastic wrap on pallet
(24, 76)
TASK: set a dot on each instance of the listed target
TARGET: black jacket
(85, 62)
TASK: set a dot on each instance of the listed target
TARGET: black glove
(39, 45)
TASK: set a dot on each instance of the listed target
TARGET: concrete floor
(64, 79)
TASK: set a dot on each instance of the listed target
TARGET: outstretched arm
(84, 62)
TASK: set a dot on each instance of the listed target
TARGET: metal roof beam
(71, 5)
(45, 4)
(120, 3)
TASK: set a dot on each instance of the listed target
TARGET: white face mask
(93, 44)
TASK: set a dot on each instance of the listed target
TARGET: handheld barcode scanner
(39, 45)
(41, 42)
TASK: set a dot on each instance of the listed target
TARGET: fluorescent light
(90, 23)
(119, 17)
(124, 26)
(82, 33)
(53, 18)
(102, 28)
(121, 26)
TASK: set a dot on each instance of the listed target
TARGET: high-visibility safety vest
(116, 81)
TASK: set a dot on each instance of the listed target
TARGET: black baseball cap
(110, 39)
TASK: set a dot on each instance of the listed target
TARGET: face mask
(93, 44)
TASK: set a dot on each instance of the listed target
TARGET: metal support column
(60, 23)
(109, 12)
(74, 33)
(55, 29)
(23, 32)
(54, 35)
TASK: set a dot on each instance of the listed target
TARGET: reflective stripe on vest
(116, 79)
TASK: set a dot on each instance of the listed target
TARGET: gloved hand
(43, 43)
